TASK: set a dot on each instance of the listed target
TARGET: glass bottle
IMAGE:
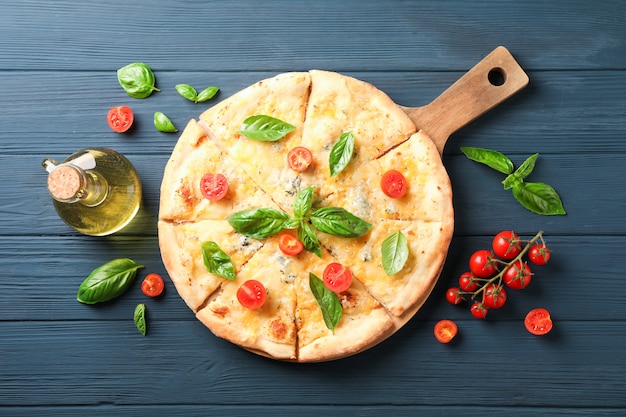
(96, 191)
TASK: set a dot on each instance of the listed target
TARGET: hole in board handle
(496, 77)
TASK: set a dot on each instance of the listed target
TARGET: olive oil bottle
(96, 191)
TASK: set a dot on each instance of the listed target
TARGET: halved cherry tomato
(299, 158)
(394, 184)
(337, 277)
(445, 330)
(507, 244)
(479, 310)
(214, 186)
(453, 295)
(483, 263)
(539, 254)
(538, 321)
(252, 294)
(494, 296)
(152, 285)
(120, 118)
(289, 244)
(517, 276)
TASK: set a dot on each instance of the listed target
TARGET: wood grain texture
(57, 77)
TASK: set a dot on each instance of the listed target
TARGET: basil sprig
(140, 318)
(538, 197)
(265, 128)
(108, 281)
(137, 79)
(264, 222)
(163, 123)
(341, 153)
(327, 300)
(395, 252)
(217, 261)
(191, 94)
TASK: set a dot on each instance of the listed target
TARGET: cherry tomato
(337, 277)
(468, 282)
(252, 294)
(289, 244)
(152, 285)
(299, 158)
(394, 184)
(120, 118)
(517, 276)
(445, 330)
(506, 245)
(482, 263)
(538, 321)
(453, 295)
(494, 296)
(539, 254)
(214, 186)
(479, 310)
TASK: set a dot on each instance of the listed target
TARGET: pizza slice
(181, 251)
(282, 97)
(429, 195)
(195, 155)
(427, 248)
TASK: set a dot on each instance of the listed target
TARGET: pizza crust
(322, 106)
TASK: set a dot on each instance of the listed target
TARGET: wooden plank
(179, 362)
(184, 36)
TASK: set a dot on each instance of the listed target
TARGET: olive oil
(95, 191)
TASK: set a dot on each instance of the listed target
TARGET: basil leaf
(163, 123)
(339, 222)
(341, 153)
(291, 223)
(108, 281)
(217, 261)
(303, 203)
(395, 252)
(137, 79)
(265, 128)
(258, 223)
(539, 198)
(520, 173)
(491, 158)
(327, 300)
(140, 318)
(307, 236)
(207, 94)
(187, 91)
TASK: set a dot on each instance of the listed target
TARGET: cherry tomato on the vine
(214, 187)
(468, 282)
(483, 263)
(394, 184)
(494, 296)
(120, 118)
(299, 158)
(506, 245)
(479, 310)
(152, 285)
(518, 275)
(445, 330)
(453, 295)
(539, 254)
(252, 294)
(538, 321)
(289, 244)
(337, 277)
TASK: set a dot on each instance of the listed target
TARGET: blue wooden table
(58, 62)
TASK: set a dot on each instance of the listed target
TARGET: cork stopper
(64, 182)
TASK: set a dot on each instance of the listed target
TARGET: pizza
(305, 218)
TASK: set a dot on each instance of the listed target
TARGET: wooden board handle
(494, 79)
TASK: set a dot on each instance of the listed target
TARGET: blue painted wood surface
(57, 80)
